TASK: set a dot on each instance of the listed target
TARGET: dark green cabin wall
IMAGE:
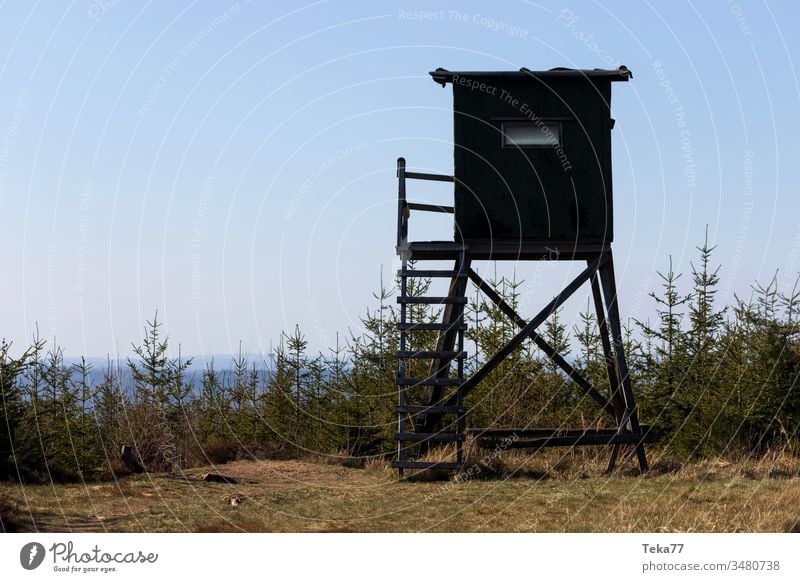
(527, 194)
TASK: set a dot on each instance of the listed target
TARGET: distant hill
(223, 364)
(199, 361)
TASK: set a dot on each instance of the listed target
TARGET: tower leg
(631, 415)
(612, 461)
(611, 366)
(617, 399)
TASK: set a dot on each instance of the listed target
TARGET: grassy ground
(534, 493)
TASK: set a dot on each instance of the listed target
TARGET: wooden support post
(612, 461)
(615, 389)
(402, 240)
(608, 355)
(610, 294)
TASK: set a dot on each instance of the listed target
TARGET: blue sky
(232, 164)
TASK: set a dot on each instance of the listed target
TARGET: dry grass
(556, 491)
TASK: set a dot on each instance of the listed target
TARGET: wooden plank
(430, 273)
(436, 250)
(529, 250)
(425, 465)
(435, 437)
(430, 381)
(431, 300)
(448, 354)
(544, 432)
(431, 177)
(430, 207)
(431, 326)
(505, 251)
(571, 441)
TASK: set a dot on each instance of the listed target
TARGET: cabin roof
(443, 76)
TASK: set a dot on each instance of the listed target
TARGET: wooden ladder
(427, 411)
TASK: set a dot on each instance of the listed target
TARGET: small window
(531, 133)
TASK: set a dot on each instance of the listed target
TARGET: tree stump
(216, 478)
(130, 461)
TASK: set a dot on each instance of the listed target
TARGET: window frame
(558, 122)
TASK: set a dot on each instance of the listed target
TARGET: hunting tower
(532, 181)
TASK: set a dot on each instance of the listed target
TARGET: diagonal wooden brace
(530, 327)
(549, 350)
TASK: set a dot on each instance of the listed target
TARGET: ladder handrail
(404, 207)
(402, 210)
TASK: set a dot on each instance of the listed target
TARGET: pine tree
(665, 362)
(765, 339)
(86, 448)
(213, 417)
(53, 417)
(280, 412)
(517, 392)
(12, 407)
(246, 400)
(28, 449)
(108, 411)
(33, 371)
(318, 428)
(337, 395)
(161, 394)
(669, 335)
(152, 376)
(704, 318)
(296, 345)
(700, 399)
(591, 360)
(254, 418)
(369, 410)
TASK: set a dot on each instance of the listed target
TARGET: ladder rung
(426, 176)
(425, 465)
(430, 381)
(432, 326)
(430, 207)
(430, 273)
(429, 409)
(432, 437)
(432, 354)
(433, 300)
